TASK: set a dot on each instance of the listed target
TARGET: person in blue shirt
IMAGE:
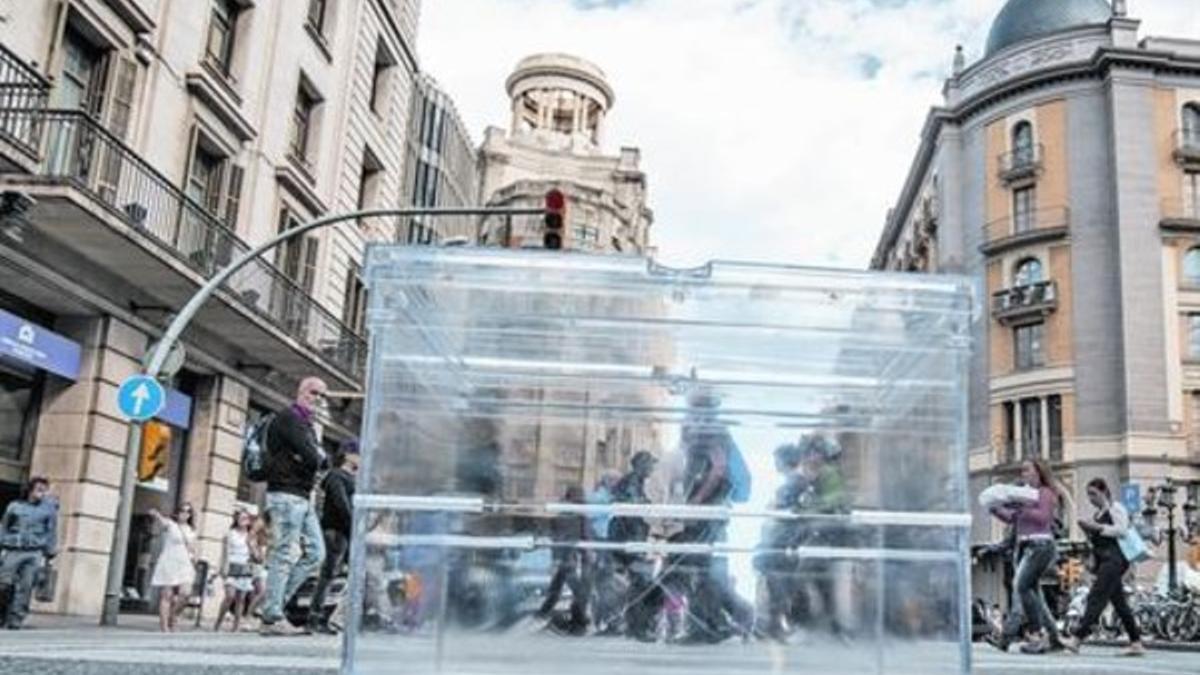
(28, 540)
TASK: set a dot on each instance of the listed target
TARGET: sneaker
(1070, 644)
(1134, 649)
(280, 628)
(1035, 647)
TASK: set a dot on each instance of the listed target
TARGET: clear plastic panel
(580, 463)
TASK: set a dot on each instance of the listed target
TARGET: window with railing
(354, 304)
(222, 35)
(1191, 126)
(1191, 195)
(296, 258)
(1023, 210)
(1028, 272)
(84, 75)
(1022, 144)
(1028, 346)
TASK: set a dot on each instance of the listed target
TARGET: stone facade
(1057, 172)
(157, 139)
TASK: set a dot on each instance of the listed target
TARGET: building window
(1029, 272)
(215, 183)
(1023, 201)
(1022, 145)
(586, 236)
(1031, 428)
(1194, 436)
(384, 62)
(1191, 125)
(296, 258)
(303, 121)
(222, 32)
(1054, 426)
(84, 74)
(1010, 432)
(1191, 195)
(354, 305)
(316, 15)
(1027, 345)
(1191, 267)
(369, 180)
(1194, 336)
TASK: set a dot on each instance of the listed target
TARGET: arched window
(1029, 272)
(1191, 124)
(1191, 267)
(1022, 144)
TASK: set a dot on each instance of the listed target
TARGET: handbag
(238, 570)
(44, 585)
(1133, 547)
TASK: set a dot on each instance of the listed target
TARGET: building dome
(1022, 20)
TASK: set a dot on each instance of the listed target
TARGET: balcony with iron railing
(1020, 164)
(1039, 299)
(1187, 147)
(1026, 227)
(77, 153)
(21, 88)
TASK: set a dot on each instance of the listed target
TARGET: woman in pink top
(1034, 522)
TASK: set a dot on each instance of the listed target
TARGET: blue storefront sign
(35, 346)
(1131, 498)
(176, 410)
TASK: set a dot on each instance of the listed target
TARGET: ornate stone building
(556, 139)
(1062, 170)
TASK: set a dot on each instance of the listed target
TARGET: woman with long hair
(1110, 523)
(175, 570)
(1034, 523)
(239, 579)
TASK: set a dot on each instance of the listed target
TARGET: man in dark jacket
(336, 512)
(294, 457)
(28, 535)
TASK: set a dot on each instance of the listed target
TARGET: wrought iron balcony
(1021, 163)
(21, 88)
(1021, 302)
(1181, 214)
(1187, 147)
(79, 153)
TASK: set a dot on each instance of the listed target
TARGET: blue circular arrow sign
(140, 398)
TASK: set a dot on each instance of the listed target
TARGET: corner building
(155, 141)
(1063, 171)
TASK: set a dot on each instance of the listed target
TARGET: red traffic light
(556, 215)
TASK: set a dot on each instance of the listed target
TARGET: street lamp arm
(175, 330)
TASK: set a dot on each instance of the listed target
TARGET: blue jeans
(1036, 558)
(293, 521)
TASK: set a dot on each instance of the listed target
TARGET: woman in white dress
(239, 577)
(175, 570)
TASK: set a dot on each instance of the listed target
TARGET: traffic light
(155, 451)
(556, 216)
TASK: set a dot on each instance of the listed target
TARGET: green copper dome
(1022, 20)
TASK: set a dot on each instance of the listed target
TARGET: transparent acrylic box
(579, 464)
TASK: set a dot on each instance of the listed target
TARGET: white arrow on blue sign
(140, 398)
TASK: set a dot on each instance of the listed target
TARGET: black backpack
(254, 449)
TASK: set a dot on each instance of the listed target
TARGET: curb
(1151, 644)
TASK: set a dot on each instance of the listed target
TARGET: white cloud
(761, 133)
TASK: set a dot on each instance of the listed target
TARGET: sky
(770, 130)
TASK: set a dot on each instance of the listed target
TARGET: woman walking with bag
(1110, 525)
(1034, 523)
(239, 578)
(175, 570)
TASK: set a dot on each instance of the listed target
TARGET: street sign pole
(164, 347)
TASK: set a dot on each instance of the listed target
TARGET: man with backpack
(291, 460)
(336, 512)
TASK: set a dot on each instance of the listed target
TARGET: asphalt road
(134, 650)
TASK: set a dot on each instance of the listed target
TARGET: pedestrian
(293, 458)
(1110, 523)
(236, 570)
(28, 541)
(336, 512)
(175, 570)
(779, 538)
(820, 464)
(571, 569)
(605, 599)
(260, 535)
(644, 598)
(1034, 522)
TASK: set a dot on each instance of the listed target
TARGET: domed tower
(1023, 20)
(555, 140)
(561, 100)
